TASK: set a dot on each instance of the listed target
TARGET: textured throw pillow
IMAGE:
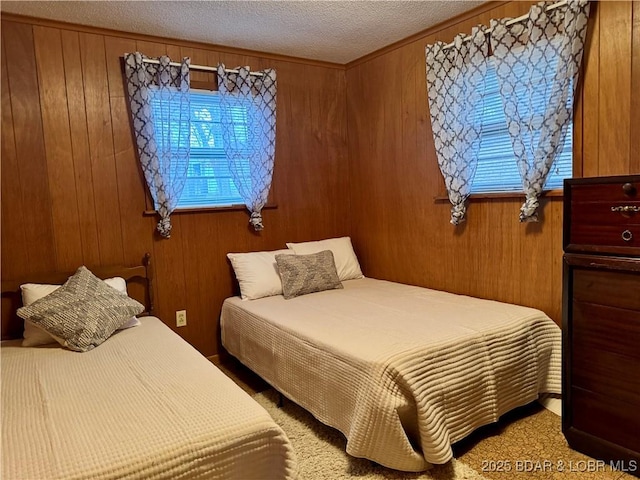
(257, 273)
(35, 336)
(83, 312)
(346, 260)
(302, 274)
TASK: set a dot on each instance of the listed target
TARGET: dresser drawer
(618, 191)
(599, 327)
(605, 287)
(620, 237)
(608, 213)
(603, 217)
(606, 417)
(606, 373)
(605, 224)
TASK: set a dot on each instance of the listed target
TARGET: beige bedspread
(403, 372)
(144, 404)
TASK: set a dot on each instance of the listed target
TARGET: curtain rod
(512, 21)
(204, 68)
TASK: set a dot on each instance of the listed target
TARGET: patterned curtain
(455, 81)
(161, 91)
(537, 64)
(248, 115)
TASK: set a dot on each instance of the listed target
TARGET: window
(497, 170)
(209, 181)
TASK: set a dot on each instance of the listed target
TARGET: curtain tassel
(164, 227)
(529, 209)
(458, 212)
(256, 221)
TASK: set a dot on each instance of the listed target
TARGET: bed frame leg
(280, 400)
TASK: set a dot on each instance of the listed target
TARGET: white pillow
(257, 273)
(345, 258)
(34, 335)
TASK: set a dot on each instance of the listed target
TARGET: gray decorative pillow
(302, 274)
(82, 313)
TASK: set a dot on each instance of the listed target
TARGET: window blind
(497, 170)
(209, 181)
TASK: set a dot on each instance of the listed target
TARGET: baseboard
(220, 358)
(551, 402)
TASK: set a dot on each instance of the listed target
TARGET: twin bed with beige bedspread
(139, 402)
(144, 404)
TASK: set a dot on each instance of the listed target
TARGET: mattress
(402, 371)
(144, 404)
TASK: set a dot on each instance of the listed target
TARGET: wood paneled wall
(72, 191)
(402, 234)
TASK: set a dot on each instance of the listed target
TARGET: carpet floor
(321, 449)
(526, 444)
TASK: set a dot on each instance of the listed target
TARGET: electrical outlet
(181, 318)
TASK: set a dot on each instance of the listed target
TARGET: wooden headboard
(139, 286)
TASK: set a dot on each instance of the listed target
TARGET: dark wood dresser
(601, 319)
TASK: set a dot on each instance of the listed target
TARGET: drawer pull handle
(629, 189)
(627, 235)
(626, 208)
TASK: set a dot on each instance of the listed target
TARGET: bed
(402, 371)
(143, 404)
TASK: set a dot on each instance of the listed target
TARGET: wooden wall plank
(14, 238)
(194, 297)
(536, 252)
(30, 150)
(364, 105)
(213, 59)
(151, 49)
(390, 168)
(591, 97)
(137, 229)
(634, 151)
(115, 48)
(578, 111)
(325, 150)
(615, 87)
(59, 154)
(427, 174)
(287, 148)
(198, 57)
(171, 287)
(202, 292)
(100, 135)
(505, 217)
(83, 175)
(578, 119)
(554, 306)
(411, 72)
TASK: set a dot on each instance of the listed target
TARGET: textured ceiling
(333, 31)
